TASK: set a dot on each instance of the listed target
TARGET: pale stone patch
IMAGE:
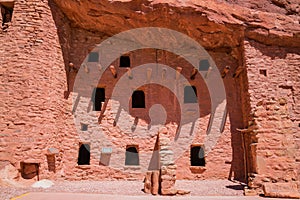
(42, 184)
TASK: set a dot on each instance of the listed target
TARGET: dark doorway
(190, 94)
(197, 156)
(6, 12)
(98, 97)
(29, 170)
(138, 99)
(132, 156)
(124, 61)
(84, 154)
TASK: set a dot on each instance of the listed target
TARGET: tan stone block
(183, 192)
(167, 184)
(281, 190)
(167, 177)
(171, 191)
(249, 192)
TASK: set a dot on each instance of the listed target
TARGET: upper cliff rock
(214, 23)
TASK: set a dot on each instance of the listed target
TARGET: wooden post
(194, 73)
(178, 72)
(147, 184)
(155, 182)
(113, 71)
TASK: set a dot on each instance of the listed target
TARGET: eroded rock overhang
(213, 24)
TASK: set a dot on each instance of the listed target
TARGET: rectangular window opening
(197, 156)
(190, 94)
(7, 9)
(263, 72)
(138, 99)
(203, 65)
(98, 97)
(132, 155)
(124, 61)
(84, 154)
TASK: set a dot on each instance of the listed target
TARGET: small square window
(93, 57)
(203, 65)
(84, 127)
(124, 61)
(190, 94)
(263, 72)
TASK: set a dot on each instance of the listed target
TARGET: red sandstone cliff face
(44, 36)
(230, 29)
(275, 22)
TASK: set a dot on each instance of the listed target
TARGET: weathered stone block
(171, 191)
(249, 192)
(281, 190)
(167, 184)
(183, 192)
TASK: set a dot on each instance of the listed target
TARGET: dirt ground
(134, 188)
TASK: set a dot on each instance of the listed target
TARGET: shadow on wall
(69, 45)
(66, 35)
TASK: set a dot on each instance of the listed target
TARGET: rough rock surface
(281, 190)
(260, 38)
(265, 21)
(133, 188)
(8, 173)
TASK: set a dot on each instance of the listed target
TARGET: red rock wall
(35, 77)
(37, 117)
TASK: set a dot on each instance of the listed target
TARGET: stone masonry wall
(33, 112)
(119, 130)
(36, 116)
(273, 74)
